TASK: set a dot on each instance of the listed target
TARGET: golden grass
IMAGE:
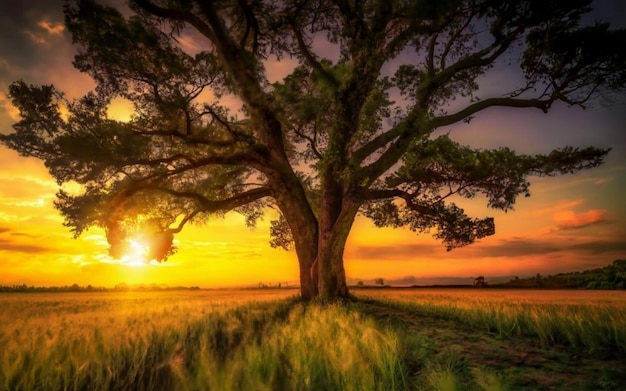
(242, 340)
(593, 320)
(218, 340)
(28, 317)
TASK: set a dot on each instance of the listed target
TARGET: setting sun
(136, 255)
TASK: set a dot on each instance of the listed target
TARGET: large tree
(348, 131)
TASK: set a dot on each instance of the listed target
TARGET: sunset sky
(569, 223)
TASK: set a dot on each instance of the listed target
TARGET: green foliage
(435, 169)
(612, 276)
(562, 54)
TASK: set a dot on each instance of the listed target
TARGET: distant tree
(360, 284)
(379, 281)
(322, 145)
(609, 274)
(620, 265)
(480, 281)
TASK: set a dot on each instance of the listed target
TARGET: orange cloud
(569, 219)
(52, 28)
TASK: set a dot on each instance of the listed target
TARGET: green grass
(236, 341)
(275, 346)
(595, 327)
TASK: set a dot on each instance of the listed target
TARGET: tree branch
(543, 105)
(375, 144)
(187, 138)
(310, 58)
(405, 131)
(184, 221)
(176, 14)
(311, 141)
(223, 205)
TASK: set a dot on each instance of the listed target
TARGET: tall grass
(251, 341)
(102, 341)
(314, 348)
(597, 326)
(85, 344)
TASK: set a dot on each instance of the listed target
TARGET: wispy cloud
(398, 252)
(28, 248)
(520, 247)
(45, 31)
(570, 220)
(516, 247)
(52, 28)
(601, 247)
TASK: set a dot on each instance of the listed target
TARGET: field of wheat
(594, 321)
(388, 339)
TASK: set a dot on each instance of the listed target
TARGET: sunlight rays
(137, 254)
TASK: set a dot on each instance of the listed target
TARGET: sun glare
(137, 254)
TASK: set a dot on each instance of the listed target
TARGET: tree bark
(332, 281)
(304, 232)
(337, 215)
(295, 207)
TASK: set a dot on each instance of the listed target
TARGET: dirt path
(525, 363)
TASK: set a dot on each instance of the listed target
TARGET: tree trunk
(304, 230)
(337, 215)
(319, 243)
(332, 276)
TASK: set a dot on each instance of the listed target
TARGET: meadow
(387, 339)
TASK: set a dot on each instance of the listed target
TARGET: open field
(593, 321)
(389, 339)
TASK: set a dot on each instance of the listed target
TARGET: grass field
(388, 339)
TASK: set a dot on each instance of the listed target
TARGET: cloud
(399, 251)
(13, 247)
(225, 250)
(507, 248)
(23, 235)
(45, 30)
(601, 247)
(519, 247)
(24, 26)
(34, 47)
(52, 28)
(11, 232)
(570, 220)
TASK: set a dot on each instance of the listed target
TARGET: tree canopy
(340, 135)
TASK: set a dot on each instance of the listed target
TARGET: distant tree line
(89, 288)
(612, 276)
(377, 282)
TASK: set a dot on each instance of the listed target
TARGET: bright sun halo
(136, 255)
